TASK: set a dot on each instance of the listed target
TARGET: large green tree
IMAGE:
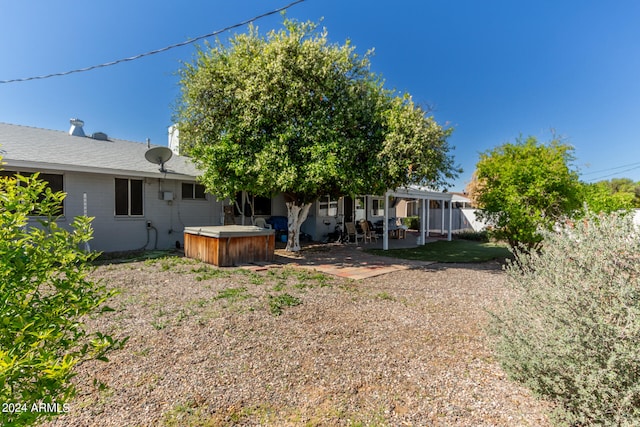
(288, 112)
(525, 187)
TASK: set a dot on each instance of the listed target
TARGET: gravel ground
(213, 347)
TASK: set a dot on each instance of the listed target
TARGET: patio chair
(261, 222)
(351, 231)
(368, 232)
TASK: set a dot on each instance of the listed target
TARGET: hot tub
(229, 245)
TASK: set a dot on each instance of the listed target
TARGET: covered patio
(423, 195)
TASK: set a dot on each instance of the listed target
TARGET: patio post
(422, 239)
(428, 215)
(385, 223)
(442, 202)
(450, 220)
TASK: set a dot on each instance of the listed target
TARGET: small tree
(571, 331)
(290, 113)
(45, 293)
(524, 188)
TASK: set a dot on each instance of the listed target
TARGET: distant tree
(46, 292)
(291, 113)
(525, 187)
(599, 197)
(623, 189)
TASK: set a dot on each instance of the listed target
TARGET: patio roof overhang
(416, 192)
(419, 193)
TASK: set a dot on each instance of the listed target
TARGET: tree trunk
(296, 214)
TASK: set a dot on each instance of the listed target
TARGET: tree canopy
(291, 113)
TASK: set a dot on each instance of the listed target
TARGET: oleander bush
(44, 294)
(572, 331)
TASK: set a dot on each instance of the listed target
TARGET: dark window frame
(262, 206)
(57, 179)
(129, 197)
(195, 191)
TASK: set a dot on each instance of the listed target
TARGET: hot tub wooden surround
(229, 245)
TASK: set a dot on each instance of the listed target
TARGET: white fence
(461, 219)
(466, 219)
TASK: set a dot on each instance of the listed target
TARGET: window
(129, 197)
(328, 206)
(192, 191)
(413, 208)
(377, 207)
(261, 205)
(361, 212)
(54, 181)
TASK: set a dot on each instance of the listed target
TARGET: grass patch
(233, 294)
(453, 251)
(134, 256)
(385, 296)
(205, 272)
(277, 303)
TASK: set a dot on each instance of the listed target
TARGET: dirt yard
(290, 347)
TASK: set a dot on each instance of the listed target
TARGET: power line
(611, 169)
(153, 52)
(614, 174)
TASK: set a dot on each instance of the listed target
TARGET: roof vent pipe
(76, 127)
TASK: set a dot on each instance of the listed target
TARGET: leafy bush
(476, 236)
(572, 331)
(413, 222)
(45, 292)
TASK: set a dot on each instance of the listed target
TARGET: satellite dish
(159, 156)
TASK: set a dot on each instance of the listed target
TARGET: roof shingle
(23, 146)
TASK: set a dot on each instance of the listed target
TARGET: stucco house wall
(90, 167)
(114, 233)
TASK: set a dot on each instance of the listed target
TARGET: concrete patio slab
(349, 261)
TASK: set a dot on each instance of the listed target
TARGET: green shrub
(476, 236)
(572, 331)
(413, 222)
(44, 292)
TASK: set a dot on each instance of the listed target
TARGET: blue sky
(492, 70)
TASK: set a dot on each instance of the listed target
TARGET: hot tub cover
(223, 231)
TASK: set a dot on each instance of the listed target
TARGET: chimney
(174, 139)
(76, 127)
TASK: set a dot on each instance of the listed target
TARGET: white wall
(468, 219)
(113, 233)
